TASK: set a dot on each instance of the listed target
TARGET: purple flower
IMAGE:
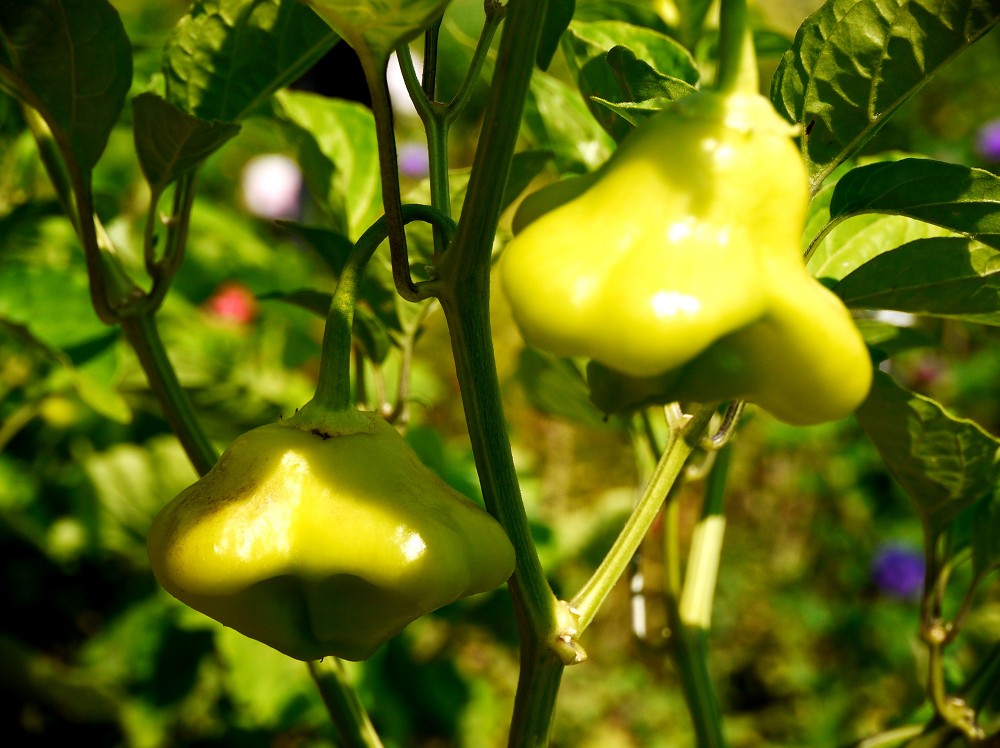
(414, 161)
(988, 141)
(898, 571)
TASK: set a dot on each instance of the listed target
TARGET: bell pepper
(676, 268)
(322, 543)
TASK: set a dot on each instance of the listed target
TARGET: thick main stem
(732, 36)
(141, 332)
(465, 272)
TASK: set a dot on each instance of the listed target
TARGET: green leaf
(558, 14)
(376, 27)
(557, 119)
(954, 197)
(619, 62)
(556, 386)
(524, 167)
(226, 57)
(75, 62)
(53, 303)
(944, 277)
(846, 244)
(885, 340)
(264, 685)
(95, 373)
(986, 534)
(634, 112)
(332, 246)
(853, 63)
(170, 142)
(371, 334)
(943, 462)
(339, 156)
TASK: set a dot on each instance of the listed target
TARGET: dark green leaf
(944, 277)
(954, 197)
(170, 142)
(986, 534)
(226, 57)
(855, 62)
(637, 14)
(525, 166)
(555, 386)
(377, 288)
(339, 156)
(619, 62)
(75, 60)
(316, 302)
(943, 462)
(639, 81)
(377, 27)
(371, 334)
(332, 246)
(557, 17)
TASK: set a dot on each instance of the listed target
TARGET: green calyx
(319, 544)
(676, 269)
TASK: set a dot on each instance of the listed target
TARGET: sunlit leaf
(856, 240)
(557, 119)
(170, 142)
(943, 462)
(855, 62)
(339, 156)
(945, 277)
(955, 197)
(376, 27)
(619, 62)
(75, 61)
(263, 683)
(226, 57)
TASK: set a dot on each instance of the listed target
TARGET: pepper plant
(686, 243)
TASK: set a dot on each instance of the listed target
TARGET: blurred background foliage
(815, 630)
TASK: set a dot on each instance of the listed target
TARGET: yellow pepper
(676, 268)
(324, 544)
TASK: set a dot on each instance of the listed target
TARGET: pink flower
(232, 302)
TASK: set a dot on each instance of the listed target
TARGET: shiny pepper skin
(676, 268)
(324, 545)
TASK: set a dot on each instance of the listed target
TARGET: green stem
(389, 168)
(691, 615)
(175, 244)
(537, 691)
(494, 15)
(346, 710)
(894, 736)
(465, 270)
(429, 83)
(141, 332)
(732, 35)
(590, 597)
(333, 388)
(689, 647)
